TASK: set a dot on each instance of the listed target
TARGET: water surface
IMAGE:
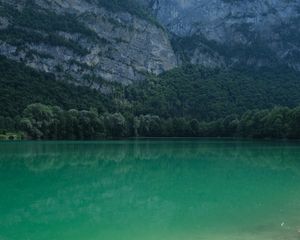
(150, 190)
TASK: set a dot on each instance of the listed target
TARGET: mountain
(85, 41)
(177, 58)
(233, 32)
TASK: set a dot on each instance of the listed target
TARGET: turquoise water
(150, 190)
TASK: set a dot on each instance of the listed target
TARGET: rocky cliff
(82, 41)
(91, 41)
(219, 32)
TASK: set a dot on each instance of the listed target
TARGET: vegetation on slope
(35, 25)
(21, 86)
(190, 101)
(207, 94)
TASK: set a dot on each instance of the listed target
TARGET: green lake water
(150, 190)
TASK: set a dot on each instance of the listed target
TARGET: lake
(150, 190)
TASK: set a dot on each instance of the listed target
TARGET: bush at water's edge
(11, 136)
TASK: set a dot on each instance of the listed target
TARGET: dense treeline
(196, 92)
(190, 101)
(189, 92)
(40, 121)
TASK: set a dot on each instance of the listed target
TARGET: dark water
(142, 190)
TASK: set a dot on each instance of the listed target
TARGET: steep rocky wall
(83, 42)
(86, 44)
(248, 31)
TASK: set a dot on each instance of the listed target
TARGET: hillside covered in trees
(186, 102)
(190, 91)
(157, 68)
(207, 94)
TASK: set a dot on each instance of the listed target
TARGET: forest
(42, 122)
(208, 94)
(191, 101)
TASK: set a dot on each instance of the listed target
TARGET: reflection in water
(187, 189)
(51, 156)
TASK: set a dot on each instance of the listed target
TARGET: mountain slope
(208, 94)
(21, 86)
(127, 62)
(190, 92)
(234, 32)
(83, 41)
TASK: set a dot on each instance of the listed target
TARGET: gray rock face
(115, 46)
(3, 23)
(269, 27)
(119, 46)
(215, 17)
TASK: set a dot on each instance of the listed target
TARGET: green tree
(115, 125)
